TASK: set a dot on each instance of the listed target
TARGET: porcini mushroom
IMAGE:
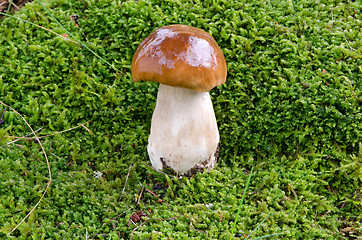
(188, 63)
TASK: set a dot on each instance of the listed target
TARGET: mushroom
(188, 63)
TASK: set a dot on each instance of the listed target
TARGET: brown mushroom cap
(179, 55)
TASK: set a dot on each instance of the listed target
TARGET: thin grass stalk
(70, 34)
(270, 235)
(7, 15)
(257, 226)
(241, 203)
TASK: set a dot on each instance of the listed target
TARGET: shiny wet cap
(180, 56)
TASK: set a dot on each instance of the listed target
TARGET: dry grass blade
(152, 219)
(19, 138)
(124, 187)
(27, 137)
(86, 128)
(63, 36)
(140, 196)
(22, 147)
(48, 165)
(5, 5)
(166, 219)
(16, 6)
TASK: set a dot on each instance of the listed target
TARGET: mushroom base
(198, 167)
(184, 134)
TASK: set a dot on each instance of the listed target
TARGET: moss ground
(291, 110)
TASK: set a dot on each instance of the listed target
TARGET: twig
(15, 6)
(152, 193)
(138, 228)
(2, 4)
(139, 197)
(85, 37)
(124, 187)
(122, 213)
(46, 158)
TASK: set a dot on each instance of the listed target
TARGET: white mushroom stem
(184, 133)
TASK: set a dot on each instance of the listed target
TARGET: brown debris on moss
(15, 5)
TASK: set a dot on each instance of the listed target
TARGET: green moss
(291, 109)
